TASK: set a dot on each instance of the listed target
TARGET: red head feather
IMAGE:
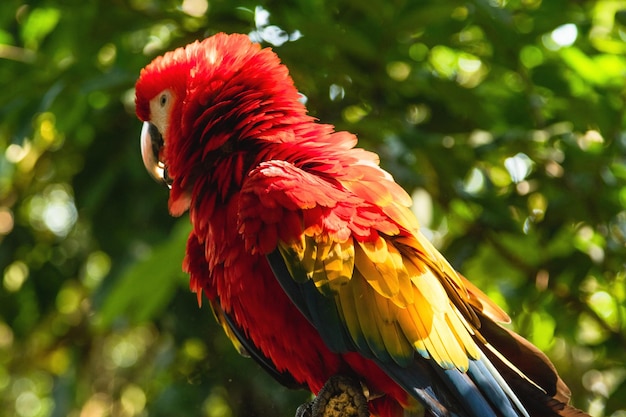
(227, 91)
(216, 68)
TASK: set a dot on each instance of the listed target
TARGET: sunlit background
(504, 119)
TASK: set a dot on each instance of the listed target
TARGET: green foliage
(506, 118)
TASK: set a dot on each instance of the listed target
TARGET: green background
(505, 119)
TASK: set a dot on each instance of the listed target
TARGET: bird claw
(339, 397)
(305, 410)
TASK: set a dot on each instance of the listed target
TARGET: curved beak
(151, 146)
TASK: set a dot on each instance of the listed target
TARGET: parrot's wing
(350, 256)
(386, 286)
(246, 348)
(238, 337)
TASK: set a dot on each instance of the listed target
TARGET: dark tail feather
(550, 396)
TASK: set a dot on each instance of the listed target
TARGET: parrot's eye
(163, 100)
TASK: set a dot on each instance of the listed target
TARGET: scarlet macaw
(309, 254)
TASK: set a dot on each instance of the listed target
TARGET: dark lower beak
(151, 146)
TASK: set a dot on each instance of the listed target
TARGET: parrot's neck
(228, 166)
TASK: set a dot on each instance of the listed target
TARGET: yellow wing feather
(394, 296)
(413, 330)
(328, 263)
(339, 264)
(395, 341)
(346, 304)
(372, 261)
(367, 315)
(405, 292)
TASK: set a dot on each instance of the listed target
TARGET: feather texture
(373, 282)
(310, 255)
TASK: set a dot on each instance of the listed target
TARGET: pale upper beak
(151, 146)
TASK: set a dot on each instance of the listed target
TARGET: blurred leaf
(602, 70)
(39, 23)
(146, 288)
(615, 403)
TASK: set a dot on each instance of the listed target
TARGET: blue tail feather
(450, 392)
(481, 375)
